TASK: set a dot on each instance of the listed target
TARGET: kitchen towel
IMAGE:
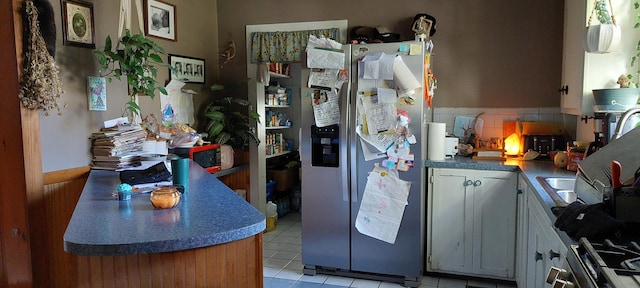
(435, 141)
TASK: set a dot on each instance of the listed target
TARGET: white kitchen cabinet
(582, 72)
(522, 233)
(472, 222)
(574, 62)
(544, 247)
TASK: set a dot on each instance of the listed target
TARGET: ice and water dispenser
(325, 146)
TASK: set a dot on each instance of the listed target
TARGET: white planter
(601, 38)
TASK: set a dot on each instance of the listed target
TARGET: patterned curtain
(282, 47)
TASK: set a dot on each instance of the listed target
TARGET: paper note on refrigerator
(327, 112)
(323, 78)
(325, 58)
(379, 117)
(383, 204)
(376, 66)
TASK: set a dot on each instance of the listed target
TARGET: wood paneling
(234, 264)
(16, 180)
(231, 264)
(238, 180)
(60, 197)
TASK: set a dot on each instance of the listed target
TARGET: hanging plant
(135, 57)
(40, 85)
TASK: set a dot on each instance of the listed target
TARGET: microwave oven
(207, 156)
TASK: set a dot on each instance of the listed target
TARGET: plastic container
(272, 216)
(271, 184)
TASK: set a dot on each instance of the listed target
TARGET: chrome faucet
(623, 120)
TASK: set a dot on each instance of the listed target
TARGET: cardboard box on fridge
(285, 178)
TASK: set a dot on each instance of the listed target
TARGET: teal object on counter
(180, 172)
(124, 192)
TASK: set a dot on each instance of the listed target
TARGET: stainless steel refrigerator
(334, 175)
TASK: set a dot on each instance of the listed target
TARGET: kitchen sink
(561, 183)
(568, 196)
(560, 189)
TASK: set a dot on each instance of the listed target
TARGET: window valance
(286, 46)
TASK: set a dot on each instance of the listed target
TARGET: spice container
(165, 197)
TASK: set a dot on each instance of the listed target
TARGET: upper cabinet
(573, 58)
(582, 72)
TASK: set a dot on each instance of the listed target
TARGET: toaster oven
(543, 144)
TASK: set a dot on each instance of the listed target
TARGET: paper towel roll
(435, 141)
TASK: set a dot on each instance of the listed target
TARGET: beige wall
(490, 53)
(65, 141)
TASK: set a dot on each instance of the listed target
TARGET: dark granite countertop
(208, 214)
(530, 169)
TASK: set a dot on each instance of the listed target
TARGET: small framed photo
(77, 22)
(186, 69)
(160, 19)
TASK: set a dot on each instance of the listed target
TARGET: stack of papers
(117, 148)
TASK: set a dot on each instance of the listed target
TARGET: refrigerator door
(325, 184)
(406, 255)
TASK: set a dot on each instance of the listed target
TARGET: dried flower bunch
(41, 87)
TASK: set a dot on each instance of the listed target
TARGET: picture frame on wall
(160, 19)
(186, 69)
(77, 24)
(97, 93)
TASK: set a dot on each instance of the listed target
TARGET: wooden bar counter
(212, 238)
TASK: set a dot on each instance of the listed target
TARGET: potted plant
(636, 56)
(605, 36)
(134, 56)
(227, 118)
(626, 96)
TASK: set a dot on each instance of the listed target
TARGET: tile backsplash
(494, 117)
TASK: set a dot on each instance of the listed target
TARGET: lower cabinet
(542, 246)
(472, 222)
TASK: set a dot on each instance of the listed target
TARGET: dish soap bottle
(272, 216)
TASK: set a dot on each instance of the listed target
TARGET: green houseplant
(136, 57)
(636, 57)
(228, 118)
(628, 92)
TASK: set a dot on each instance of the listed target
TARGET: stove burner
(632, 264)
(609, 264)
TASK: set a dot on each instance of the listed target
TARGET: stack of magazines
(117, 148)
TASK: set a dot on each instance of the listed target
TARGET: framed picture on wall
(186, 69)
(160, 19)
(77, 24)
(97, 92)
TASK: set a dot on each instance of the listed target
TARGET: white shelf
(277, 154)
(277, 127)
(277, 106)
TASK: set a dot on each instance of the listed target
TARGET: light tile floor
(282, 254)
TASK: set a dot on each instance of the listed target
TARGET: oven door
(579, 274)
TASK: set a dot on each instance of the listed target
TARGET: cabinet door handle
(468, 183)
(477, 183)
(553, 255)
(564, 89)
(538, 256)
